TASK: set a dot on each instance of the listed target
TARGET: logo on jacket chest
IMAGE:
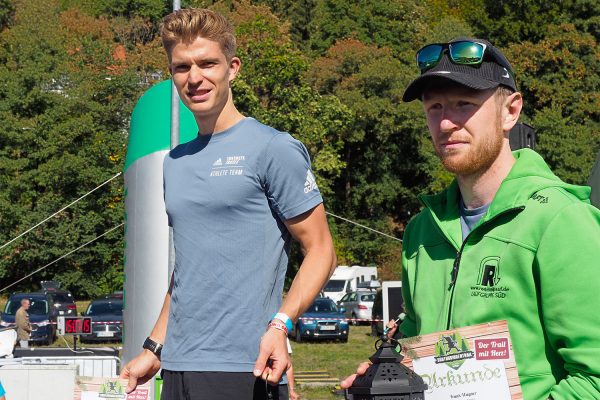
(488, 280)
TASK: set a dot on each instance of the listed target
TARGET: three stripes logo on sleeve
(311, 183)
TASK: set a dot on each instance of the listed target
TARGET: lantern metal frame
(387, 378)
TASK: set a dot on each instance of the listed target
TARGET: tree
(7, 10)
(396, 24)
(152, 10)
(381, 148)
(66, 98)
(558, 77)
(271, 87)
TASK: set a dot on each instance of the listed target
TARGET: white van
(346, 279)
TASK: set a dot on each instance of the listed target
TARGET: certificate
(89, 388)
(470, 363)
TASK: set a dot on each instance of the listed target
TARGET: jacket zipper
(453, 277)
(456, 264)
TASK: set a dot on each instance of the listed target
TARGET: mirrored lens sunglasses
(461, 52)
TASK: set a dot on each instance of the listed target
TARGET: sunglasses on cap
(461, 52)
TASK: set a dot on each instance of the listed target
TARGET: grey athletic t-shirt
(226, 197)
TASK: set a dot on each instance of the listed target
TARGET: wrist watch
(153, 346)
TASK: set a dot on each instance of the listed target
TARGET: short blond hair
(502, 93)
(186, 25)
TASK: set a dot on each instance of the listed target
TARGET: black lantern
(387, 378)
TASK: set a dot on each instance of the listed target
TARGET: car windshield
(62, 298)
(36, 306)
(113, 308)
(322, 306)
(334, 285)
(367, 297)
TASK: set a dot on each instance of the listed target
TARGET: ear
(234, 67)
(511, 110)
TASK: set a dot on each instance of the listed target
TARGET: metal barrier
(97, 366)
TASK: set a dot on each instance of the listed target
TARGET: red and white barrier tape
(341, 319)
(12, 325)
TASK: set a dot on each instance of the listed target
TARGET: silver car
(358, 306)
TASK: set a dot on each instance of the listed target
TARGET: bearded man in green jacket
(507, 240)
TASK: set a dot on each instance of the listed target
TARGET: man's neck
(221, 120)
(480, 188)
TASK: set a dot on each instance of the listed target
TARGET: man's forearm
(316, 269)
(159, 331)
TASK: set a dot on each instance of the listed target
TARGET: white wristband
(285, 319)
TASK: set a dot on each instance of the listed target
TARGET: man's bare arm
(312, 232)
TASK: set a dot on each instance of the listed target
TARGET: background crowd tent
(594, 182)
(146, 229)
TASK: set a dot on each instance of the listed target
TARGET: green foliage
(65, 113)
(271, 88)
(391, 23)
(7, 10)
(559, 79)
(514, 21)
(560, 143)
(370, 81)
(150, 9)
(299, 13)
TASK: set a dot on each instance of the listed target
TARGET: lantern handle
(384, 339)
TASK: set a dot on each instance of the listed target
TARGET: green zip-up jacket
(533, 259)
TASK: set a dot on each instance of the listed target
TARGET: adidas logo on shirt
(311, 183)
(218, 163)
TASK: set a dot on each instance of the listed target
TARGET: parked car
(322, 320)
(50, 284)
(358, 305)
(117, 294)
(107, 320)
(63, 301)
(42, 316)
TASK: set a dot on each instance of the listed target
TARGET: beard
(478, 158)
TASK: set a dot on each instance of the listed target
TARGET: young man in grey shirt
(235, 197)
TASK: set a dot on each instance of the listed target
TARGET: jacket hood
(529, 175)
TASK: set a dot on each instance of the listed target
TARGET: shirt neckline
(222, 135)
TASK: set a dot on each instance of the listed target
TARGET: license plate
(105, 334)
(61, 312)
(327, 328)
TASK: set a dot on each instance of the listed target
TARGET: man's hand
(391, 326)
(292, 394)
(273, 358)
(140, 369)
(362, 368)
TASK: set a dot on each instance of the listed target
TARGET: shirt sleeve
(567, 261)
(287, 177)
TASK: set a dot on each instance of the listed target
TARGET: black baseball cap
(493, 71)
